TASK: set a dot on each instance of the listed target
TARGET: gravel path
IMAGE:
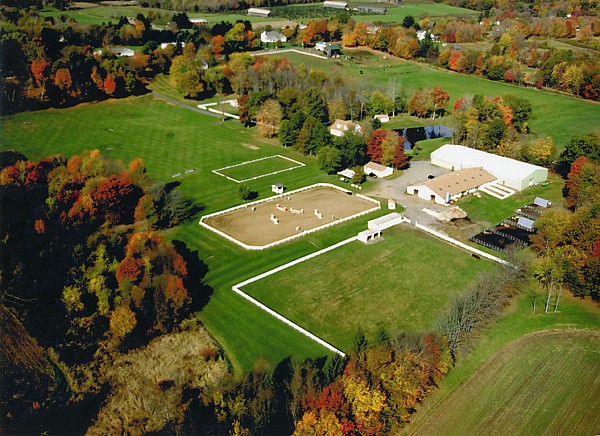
(396, 189)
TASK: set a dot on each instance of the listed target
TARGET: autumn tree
(440, 99)
(419, 103)
(268, 118)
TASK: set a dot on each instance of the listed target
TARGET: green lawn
(543, 383)
(401, 283)
(417, 10)
(171, 140)
(576, 116)
(247, 170)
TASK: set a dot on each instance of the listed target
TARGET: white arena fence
(218, 170)
(207, 107)
(463, 245)
(237, 289)
(297, 235)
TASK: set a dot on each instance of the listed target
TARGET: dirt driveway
(396, 189)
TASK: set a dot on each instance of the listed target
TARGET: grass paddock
(401, 283)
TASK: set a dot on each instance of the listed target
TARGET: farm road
(183, 105)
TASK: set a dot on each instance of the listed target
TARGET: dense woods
(86, 269)
(568, 241)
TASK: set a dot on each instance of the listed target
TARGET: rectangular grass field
(401, 283)
(258, 168)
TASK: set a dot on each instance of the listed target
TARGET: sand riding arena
(281, 218)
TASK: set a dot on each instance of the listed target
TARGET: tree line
(48, 62)
(568, 240)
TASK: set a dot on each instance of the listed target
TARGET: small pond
(414, 134)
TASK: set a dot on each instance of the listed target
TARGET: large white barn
(509, 172)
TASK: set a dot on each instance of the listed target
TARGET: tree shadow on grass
(198, 290)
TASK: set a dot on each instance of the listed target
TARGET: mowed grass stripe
(544, 383)
(402, 283)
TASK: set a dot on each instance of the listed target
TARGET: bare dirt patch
(255, 227)
(250, 146)
(83, 5)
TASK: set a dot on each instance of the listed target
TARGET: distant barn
(336, 5)
(199, 21)
(371, 10)
(256, 12)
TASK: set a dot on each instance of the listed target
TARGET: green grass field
(401, 283)
(247, 170)
(576, 116)
(543, 383)
(171, 140)
(417, 10)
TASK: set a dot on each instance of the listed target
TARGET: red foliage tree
(218, 44)
(573, 182)
(110, 84)
(116, 198)
(129, 269)
(374, 145)
(400, 160)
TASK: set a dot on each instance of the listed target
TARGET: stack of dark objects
(514, 232)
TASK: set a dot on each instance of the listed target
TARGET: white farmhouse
(341, 127)
(272, 37)
(122, 51)
(508, 172)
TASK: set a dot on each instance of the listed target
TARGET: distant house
(449, 187)
(272, 37)
(164, 45)
(341, 127)
(384, 118)
(509, 172)
(372, 29)
(336, 5)
(421, 34)
(256, 12)
(199, 21)
(333, 50)
(122, 51)
(378, 170)
(371, 10)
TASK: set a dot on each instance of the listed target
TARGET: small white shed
(278, 188)
(542, 202)
(378, 169)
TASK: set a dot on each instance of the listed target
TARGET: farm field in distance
(532, 385)
(401, 283)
